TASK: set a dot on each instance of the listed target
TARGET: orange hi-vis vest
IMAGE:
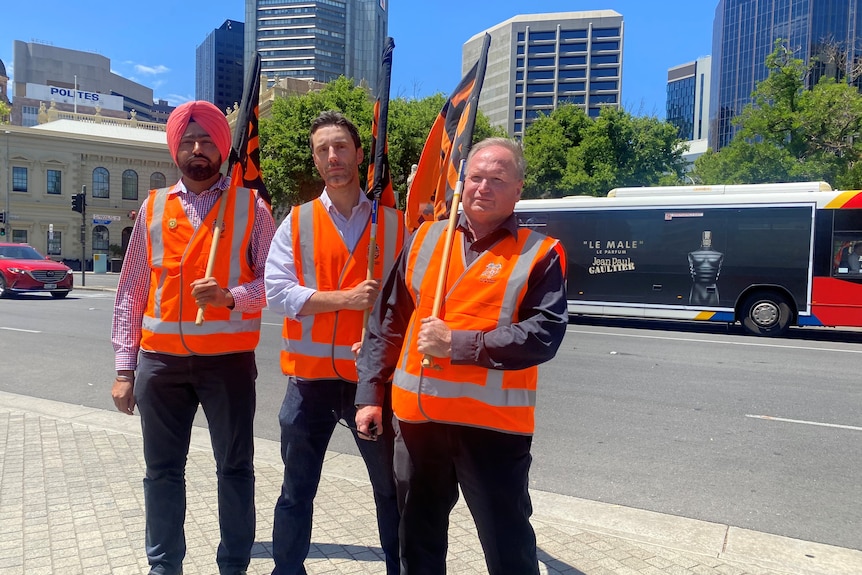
(178, 255)
(482, 296)
(318, 346)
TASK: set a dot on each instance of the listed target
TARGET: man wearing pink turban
(166, 364)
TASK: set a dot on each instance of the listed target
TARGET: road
(696, 421)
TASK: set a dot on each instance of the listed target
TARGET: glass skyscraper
(537, 62)
(317, 40)
(219, 66)
(744, 33)
(687, 107)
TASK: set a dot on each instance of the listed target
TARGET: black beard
(200, 173)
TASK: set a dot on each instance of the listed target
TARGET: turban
(208, 117)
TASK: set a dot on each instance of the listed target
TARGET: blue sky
(155, 43)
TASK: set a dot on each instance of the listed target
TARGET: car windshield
(20, 253)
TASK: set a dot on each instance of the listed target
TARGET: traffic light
(2, 231)
(78, 203)
(2, 217)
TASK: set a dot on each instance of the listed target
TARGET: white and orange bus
(768, 256)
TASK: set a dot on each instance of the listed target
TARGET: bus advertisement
(768, 256)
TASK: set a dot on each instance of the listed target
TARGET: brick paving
(71, 502)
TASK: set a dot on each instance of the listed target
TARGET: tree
(789, 133)
(547, 142)
(286, 161)
(569, 153)
(5, 110)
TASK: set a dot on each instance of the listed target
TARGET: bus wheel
(766, 313)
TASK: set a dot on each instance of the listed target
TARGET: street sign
(102, 220)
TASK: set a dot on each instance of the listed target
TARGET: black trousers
(492, 468)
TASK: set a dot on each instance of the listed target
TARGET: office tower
(318, 39)
(688, 88)
(219, 66)
(538, 61)
(744, 34)
(72, 81)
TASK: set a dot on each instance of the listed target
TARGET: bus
(768, 256)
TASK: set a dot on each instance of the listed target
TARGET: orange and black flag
(379, 179)
(430, 194)
(244, 165)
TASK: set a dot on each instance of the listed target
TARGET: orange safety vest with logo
(178, 255)
(318, 346)
(482, 296)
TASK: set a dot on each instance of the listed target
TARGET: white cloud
(151, 70)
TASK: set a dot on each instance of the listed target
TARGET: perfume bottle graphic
(704, 264)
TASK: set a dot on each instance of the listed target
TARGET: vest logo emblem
(490, 273)
(172, 223)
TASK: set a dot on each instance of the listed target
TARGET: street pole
(84, 235)
(8, 187)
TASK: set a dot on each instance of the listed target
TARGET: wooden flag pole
(427, 360)
(199, 320)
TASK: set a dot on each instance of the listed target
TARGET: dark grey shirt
(533, 339)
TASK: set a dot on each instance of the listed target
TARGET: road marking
(747, 343)
(818, 423)
(17, 329)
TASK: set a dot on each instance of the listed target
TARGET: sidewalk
(94, 281)
(71, 502)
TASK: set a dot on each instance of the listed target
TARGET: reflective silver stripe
(157, 243)
(209, 327)
(390, 240)
(443, 389)
(423, 257)
(519, 276)
(242, 220)
(306, 243)
(309, 348)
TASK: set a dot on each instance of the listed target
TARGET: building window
(101, 239)
(157, 180)
(540, 101)
(606, 85)
(540, 88)
(573, 73)
(603, 99)
(130, 185)
(19, 236)
(571, 86)
(573, 60)
(541, 49)
(101, 183)
(605, 32)
(605, 46)
(572, 34)
(54, 182)
(539, 36)
(605, 59)
(536, 62)
(55, 244)
(19, 179)
(540, 75)
(29, 116)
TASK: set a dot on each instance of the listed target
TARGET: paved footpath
(71, 502)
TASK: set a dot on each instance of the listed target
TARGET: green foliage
(789, 133)
(569, 153)
(286, 162)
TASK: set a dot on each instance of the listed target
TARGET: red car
(23, 269)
